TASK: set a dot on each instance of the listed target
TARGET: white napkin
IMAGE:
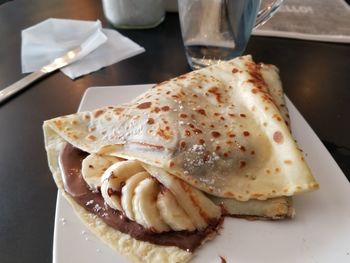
(52, 38)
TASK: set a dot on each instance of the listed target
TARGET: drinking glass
(214, 30)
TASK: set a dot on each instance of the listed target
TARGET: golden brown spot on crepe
(287, 161)
(278, 118)
(254, 71)
(246, 133)
(197, 131)
(171, 164)
(74, 122)
(231, 134)
(201, 111)
(58, 123)
(265, 124)
(242, 115)
(87, 117)
(91, 166)
(231, 115)
(215, 134)
(183, 144)
(92, 137)
(268, 171)
(278, 137)
(201, 141)
(255, 90)
(212, 126)
(273, 191)
(194, 96)
(299, 188)
(218, 147)
(252, 152)
(168, 92)
(156, 109)
(165, 108)
(257, 195)
(98, 113)
(187, 133)
(242, 148)
(108, 118)
(183, 115)
(175, 96)
(215, 91)
(144, 105)
(164, 133)
(226, 154)
(118, 111)
(234, 70)
(242, 164)
(277, 170)
(150, 121)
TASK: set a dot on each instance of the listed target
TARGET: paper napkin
(52, 38)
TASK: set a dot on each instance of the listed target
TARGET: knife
(59, 62)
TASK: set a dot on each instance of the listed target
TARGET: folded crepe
(172, 162)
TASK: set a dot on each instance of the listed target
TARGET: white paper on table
(52, 38)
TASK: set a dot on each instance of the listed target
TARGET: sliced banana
(128, 193)
(114, 178)
(93, 166)
(145, 206)
(172, 213)
(199, 208)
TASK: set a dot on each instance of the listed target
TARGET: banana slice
(128, 193)
(172, 213)
(199, 208)
(114, 178)
(145, 208)
(93, 166)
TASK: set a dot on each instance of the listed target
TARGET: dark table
(315, 75)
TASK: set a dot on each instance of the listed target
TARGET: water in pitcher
(221, 30)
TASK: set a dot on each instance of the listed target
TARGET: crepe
(223, 130)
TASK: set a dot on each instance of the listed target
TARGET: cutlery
(59, 62)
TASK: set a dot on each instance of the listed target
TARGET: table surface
(315, 76)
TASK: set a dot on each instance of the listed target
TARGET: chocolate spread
(70, 160)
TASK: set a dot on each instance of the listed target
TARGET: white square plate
(319, 233)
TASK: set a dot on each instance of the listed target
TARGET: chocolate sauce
(70, 160)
